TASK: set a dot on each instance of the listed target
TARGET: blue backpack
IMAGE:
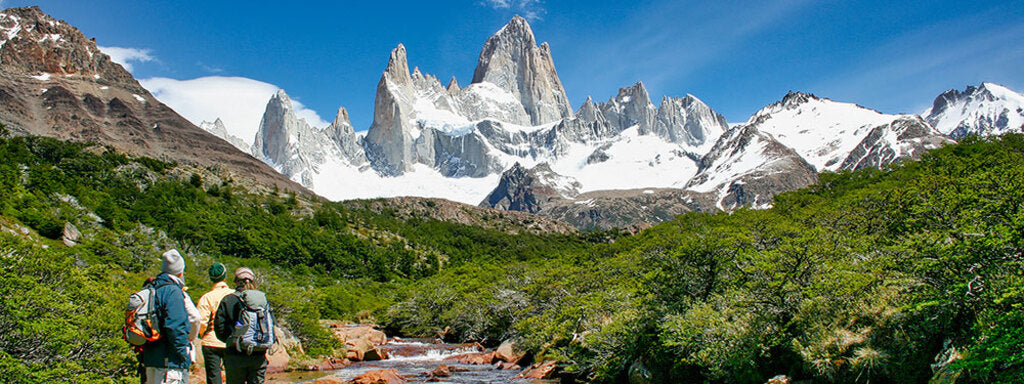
(254, 330)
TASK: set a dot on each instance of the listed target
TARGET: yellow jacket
(208, 310)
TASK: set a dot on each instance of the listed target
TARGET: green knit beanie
(218, 272)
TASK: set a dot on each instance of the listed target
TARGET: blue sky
(737, 56)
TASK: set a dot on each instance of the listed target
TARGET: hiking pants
(245, 369)
(211, 359)
(166, 375)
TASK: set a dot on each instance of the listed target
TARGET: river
(414, 358)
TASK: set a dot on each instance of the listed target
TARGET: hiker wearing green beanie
(213, 348)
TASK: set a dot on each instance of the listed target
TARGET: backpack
(254, 329)
(141, 324)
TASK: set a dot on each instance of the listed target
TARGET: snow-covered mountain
(826, 132)
(509, 140)
(218, 129)
(454, 142)
(988, 109)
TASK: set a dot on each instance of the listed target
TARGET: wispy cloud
(911, 69)
(125, 56)
(667, 54)
(238, 101)
(528, 9)
(209, 68)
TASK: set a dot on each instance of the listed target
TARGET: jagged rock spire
(398, 66)
(512, 60)
(341, 123)
(453, 85)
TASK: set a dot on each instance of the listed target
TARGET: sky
(210, 59)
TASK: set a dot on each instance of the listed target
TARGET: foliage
(866, 276)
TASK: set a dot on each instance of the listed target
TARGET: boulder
(347, 332)
(441, 371)
(544, 370)
(506, 366)
(277, 359)
(362, 349)
(71, 235)
(480, 358)
(330, 364)
(380, 376)
(329, 380)
(507, 352)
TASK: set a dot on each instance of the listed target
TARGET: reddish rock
(329, 380)
(545, 370)
(507, 352)
(277, 359)
(380, 376)
(330, 364)
(440, 371)
(363, 350)
(481, 358)
(368, 332)
(504, 365)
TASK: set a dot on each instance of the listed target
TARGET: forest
(905, 274)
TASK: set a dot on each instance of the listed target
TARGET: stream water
(414, 358)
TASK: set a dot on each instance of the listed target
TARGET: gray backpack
(254, 330)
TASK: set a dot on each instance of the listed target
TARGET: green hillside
(864, 277)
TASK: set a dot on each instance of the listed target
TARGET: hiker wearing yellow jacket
(213, 348)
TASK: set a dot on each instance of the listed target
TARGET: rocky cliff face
(55, 82)
(686, 121)
(298, 150)
(530, 190)
(826, 132)
(907, 137)
(749, 167)
(512, 60)
(389, 140)
(218, 129)
(988, 109)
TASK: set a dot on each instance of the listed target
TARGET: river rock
(350, 332)
(329, 380)
(380, 376)
(506, 366)
(362, 349)
(507, 352)
(277, 359)
(441, 371)
(544, 370)
(481, 358)
(330, 364)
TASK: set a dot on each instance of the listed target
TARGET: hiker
(167, 359)
(212, 347)
(241, 322)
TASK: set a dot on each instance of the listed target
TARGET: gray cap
(173, 264)
(244, 273)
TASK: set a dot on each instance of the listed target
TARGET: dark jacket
(171, 350)
(228, 314)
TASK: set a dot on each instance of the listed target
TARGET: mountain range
(508, 139)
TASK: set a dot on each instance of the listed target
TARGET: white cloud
(125, 56)
(528, 9)
(238, 101)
